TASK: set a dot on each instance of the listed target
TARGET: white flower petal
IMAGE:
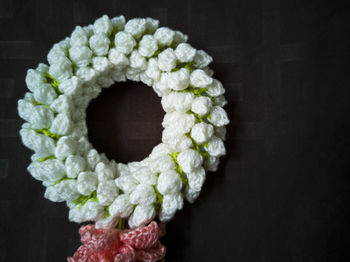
(74, 165)
(189, 160)
(99, 44)
(167, 60)
(106, 192)
(121, 206)
(147, 46)
(201, 105)
(136, 27)
(141, 216)
(218, 116)
(216, 147)
(202, 132)
(199, 78)
(169, 182)
(65, 147)
(124, 42)
(103, 25)
(185, 52)
(86, 183)
(164, 36)
(143, 195)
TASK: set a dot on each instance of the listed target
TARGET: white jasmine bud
(103, 25)
(201, 105)
(121, 206)
(143, 195)
(124, 42)
(86, 183)
(136, 27)
(202, 132)
(189, 160)
(147, 46)
(106, 192)
(80, 55)
(185, 52)
(74, 165)
(218, 116)
(169, 182)
(199, 78)
(167, 60)
(99, 44)
(141, 216)
(79, 37)
(164, 36)
(202, 59)
(216, 147)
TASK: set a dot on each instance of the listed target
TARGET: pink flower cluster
(113, 245)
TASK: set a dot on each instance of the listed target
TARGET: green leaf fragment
(199, 118)
(197, 91)
(121, 223)
(107, 212)
(189, 67)
(160, 49)
(42, 159)
(36, 103)
(83, 199)
(178, 167)
(159, 198)
(62, 179)
(53, 82)
(48, 133)
(199, 148)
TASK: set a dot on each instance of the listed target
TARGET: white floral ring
(95, 57)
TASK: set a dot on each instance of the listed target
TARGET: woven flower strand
(79, 67)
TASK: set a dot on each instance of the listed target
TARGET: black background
(282, 191)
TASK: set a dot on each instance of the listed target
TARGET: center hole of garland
(124, 121)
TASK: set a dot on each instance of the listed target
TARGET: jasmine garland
(95, 57)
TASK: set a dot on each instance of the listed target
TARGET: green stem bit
(107, 212)
(83, 199)
(197, 91)
(112, 36)
(199, 118)
(42, 159)
(36, 103)
(178, 167)
(159, 198)
(121, 223)
(53, 82)
(161, 49)
(199, 148)
(48, 133)
(62, 179)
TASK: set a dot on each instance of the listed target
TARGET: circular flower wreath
(94, 57)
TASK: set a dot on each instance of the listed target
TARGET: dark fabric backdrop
(282, 191)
